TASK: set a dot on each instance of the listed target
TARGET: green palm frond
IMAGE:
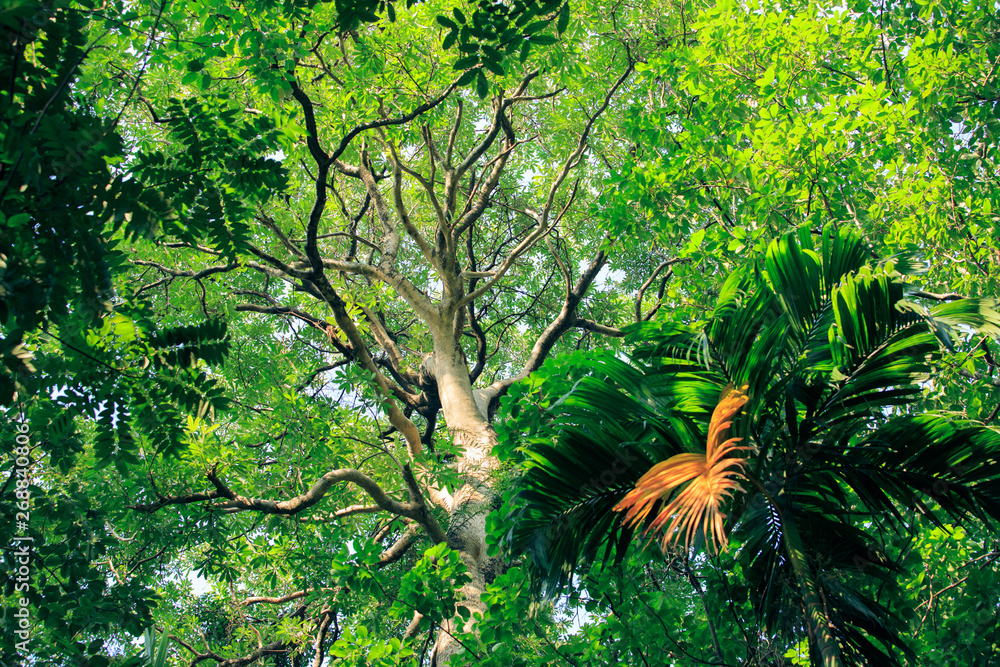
(867, 311)
(796, 277)
(609, 435)
(844, 252)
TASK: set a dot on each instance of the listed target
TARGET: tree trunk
(467, 421)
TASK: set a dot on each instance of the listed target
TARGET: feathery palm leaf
(710, 478)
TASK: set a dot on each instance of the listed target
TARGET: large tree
(405, 234)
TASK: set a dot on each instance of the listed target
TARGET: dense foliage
(830, 470)
(316, 316)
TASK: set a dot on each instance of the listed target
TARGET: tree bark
(465, 413)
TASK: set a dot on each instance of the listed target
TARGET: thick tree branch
(949, 296)
(324, 626)
(495, 127)
(399, 421)
(414, 626)
(400, 546)
(391, 240)
(291, 597)
(590, 325)
(232, 502)
(385, 341)
(453, 136)
(352, 510)
(237, 503)
(413, 296)
(979, 377)
(565, 320)
(477, 204)
(398, 169)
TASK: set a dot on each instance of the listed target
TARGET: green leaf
(543, 40)
(467, 78)
(563, 21)
(18, 220)
(525, 48)
(482, 86)
(446, 22)
(535, 27)
(494, 67)
(489, 53)
(466, 62)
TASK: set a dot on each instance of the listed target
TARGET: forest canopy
(527, 333)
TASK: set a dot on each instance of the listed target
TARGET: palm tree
(814, 363)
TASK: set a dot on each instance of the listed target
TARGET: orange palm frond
(712, 476)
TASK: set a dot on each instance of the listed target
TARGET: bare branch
(390, 237)
(357, 509)
(291, 597)
(269, 222)
(949, 296)
(477, 205)
(386, 122)
(495, 127)
(565, 320)
(414, 626)
(400, 546)
(417, 299)
(385, 341)
(352, 237)
(263, 651)
(590, 325)
(316, 322)
(581, 147)
(542, 218)
(324, 625)
(562, 266)
(649, 281)
(453, 136)
(237, 503)
(198, 655)
(404, 216)
(232, 502)
(196, 275)
(322, 369)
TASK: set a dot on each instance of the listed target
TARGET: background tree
(385, 209)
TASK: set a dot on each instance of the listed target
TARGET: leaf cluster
(833, 352)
